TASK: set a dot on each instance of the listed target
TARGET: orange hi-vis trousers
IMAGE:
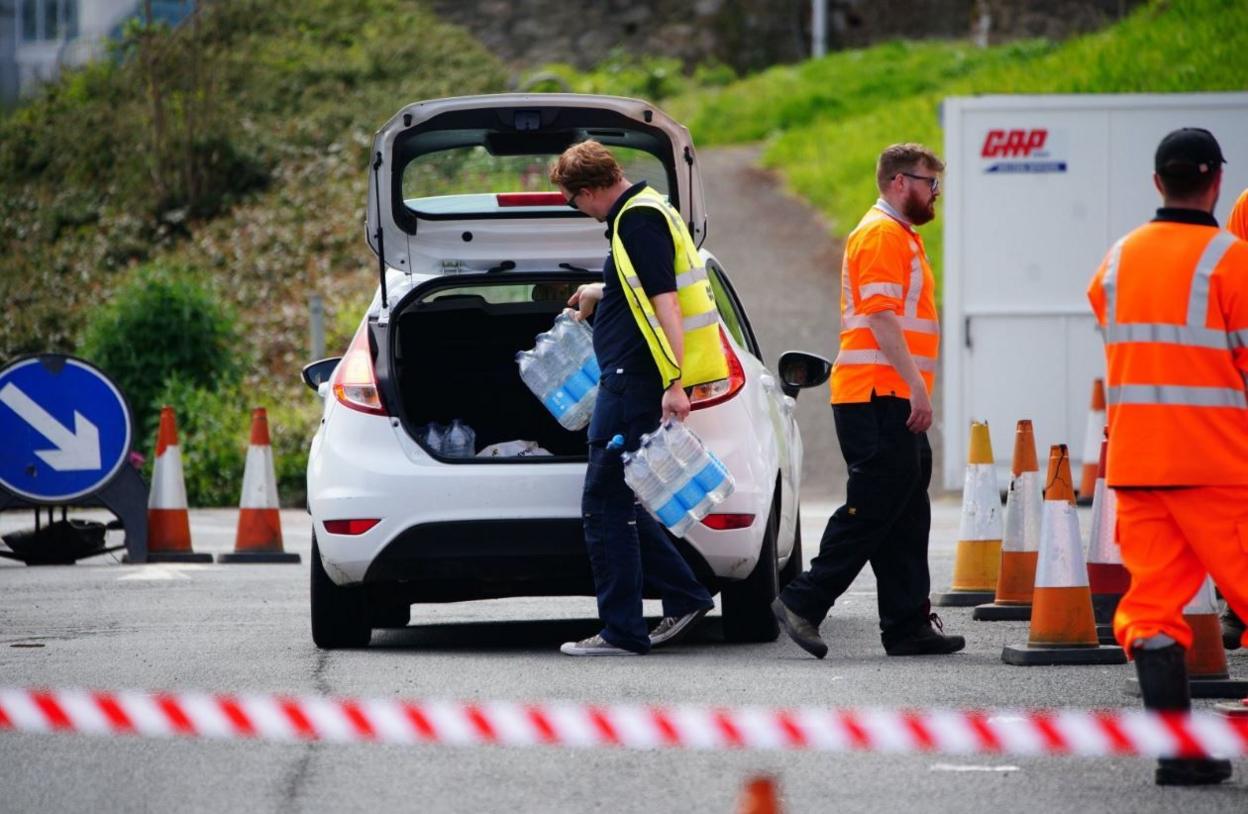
(1170, 538)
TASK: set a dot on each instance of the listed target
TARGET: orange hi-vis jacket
(1172, 299)
(1237, 223)
(885, 269)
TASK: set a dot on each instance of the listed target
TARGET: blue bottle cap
(616, 442)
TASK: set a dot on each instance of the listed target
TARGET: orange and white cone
(1021, 545)
(1063, 630)
(259, 537)
(1107, 576)
(977, 558)
(759, 797)
(168, 523)
(1092, 443)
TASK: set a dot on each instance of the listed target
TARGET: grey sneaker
(594, 646)
(672, 629)
(799, 629)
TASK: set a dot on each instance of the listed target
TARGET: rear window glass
(465, 180)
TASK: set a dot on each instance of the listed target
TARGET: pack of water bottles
(454, 440)
(562, 371)
(675, 476)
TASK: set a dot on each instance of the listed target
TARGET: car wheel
(339, 615)
(747, 604)
(794, 566)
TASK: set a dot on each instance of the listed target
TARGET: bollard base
(174, 556)
(1233, 709)
(1202, 688)
(1028, 656)
(259, 557)
(962, 599)
(994, 612)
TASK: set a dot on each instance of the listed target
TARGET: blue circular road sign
(65, 428)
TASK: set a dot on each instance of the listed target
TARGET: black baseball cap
(1188, 151)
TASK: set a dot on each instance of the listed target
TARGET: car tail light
(724, 522)
(350, 526)
(530, 199)
(354, 382)
(720, 390)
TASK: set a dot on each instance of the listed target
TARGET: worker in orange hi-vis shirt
(1236, 224)
(881, 403)
(1172, 299)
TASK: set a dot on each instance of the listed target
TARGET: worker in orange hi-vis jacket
(1172, 299)
(1236, 224)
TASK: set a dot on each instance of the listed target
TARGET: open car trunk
(454, 342)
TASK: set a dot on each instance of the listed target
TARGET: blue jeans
(629, 551)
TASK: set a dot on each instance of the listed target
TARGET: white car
(477, 256)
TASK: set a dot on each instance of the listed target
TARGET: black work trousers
(885, 520)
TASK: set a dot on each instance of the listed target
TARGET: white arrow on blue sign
(65, 425)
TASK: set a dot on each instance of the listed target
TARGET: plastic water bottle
(655, 495)
(562, 371)
(460, 441)
(434, 436)
(707, 470)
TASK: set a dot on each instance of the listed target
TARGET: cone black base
(1028, 656)
(1203, 688)
(259, 556)
(993, 612)
(174, 556)
(1105, 634)
(963, 599)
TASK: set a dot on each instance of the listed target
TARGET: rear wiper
(506, 265)
(571, 267)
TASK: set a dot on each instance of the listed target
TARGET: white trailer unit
(1038, 188)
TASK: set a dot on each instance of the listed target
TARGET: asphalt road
(233, 628)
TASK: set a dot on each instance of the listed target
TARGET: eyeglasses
(933, 182)
(572, 201)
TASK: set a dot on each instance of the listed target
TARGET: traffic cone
(1208, 674)
(978, 555)
(1021, 545)
(759, 797)
(168, 524)
(1092, 443)
(1107, 576)
(259, 537)
(1063, 630)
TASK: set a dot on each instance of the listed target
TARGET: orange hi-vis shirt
(1172, 298)
(1237, 223)
(885, 269)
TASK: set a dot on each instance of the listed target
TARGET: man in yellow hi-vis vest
(656, 332)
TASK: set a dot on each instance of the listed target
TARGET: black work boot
(1163, 686)
(800, 629)
(928, 639)
(1232, 630)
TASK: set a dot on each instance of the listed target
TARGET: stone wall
(752, 34)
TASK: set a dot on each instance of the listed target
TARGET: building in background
(38, 38)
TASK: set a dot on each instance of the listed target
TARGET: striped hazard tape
(567, 724)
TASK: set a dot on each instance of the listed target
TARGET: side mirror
(318, 372)
(799, 369)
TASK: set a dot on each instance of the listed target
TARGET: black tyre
(747, 604)
(339, 615)
(794, 566)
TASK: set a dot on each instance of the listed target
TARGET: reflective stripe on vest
(1173, 394)
(877, 357)
(1193, 333)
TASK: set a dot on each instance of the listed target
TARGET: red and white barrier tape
(567, 724)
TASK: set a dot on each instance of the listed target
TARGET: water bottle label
(559, 402)
(691, 494)
(711, 476)
(578, 385)
(670, 513)
(591, 369)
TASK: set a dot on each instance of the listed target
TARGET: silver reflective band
(1198, 298)
(1117, 333)
(912, 324)
(916, 288)
(654, 322)
(1109, 282)
(1237, 339)
(1173, 394)
(634, 282)
(883, 289)
(691, 277)
(877, 357)
(700, 321)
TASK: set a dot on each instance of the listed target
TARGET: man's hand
(920, 409)
(675, 402)
(585, 300)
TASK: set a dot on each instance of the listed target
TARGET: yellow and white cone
(1092, 443)
(1063, 630)
(259, 537)
(1021, 546)
(978, 554)
(168, 522)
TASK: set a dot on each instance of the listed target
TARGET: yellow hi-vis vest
(704, 355)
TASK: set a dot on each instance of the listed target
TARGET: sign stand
(67, 431)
